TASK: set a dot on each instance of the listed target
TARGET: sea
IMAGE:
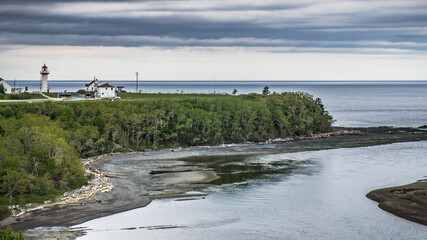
(321, 196)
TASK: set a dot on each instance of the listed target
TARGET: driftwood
(98, 184)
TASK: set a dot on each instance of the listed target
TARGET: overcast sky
(222, 39)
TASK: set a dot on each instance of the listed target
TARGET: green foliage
(41, 143)
(25, 96)
(82, 92)
(20, 96)
(36, 157)
(9, 235)
(4, 213)
(266, 90)
(2, 90)
(100, 124)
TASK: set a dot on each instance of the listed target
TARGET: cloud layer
(277, 25)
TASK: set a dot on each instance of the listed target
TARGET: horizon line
(69, 80)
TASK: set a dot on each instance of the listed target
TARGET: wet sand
(407, 201)
(167, 173)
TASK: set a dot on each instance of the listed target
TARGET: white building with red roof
(91, 87)
(105, 91)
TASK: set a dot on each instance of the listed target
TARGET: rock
(407, 201)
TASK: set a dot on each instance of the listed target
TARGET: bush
(81, 91)
(76, 182)
(20, 96)
(9, 235)
(4, 213)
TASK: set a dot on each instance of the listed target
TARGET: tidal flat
(181, 174)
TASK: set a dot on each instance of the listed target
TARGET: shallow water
(304, 195)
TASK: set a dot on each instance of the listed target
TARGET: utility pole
(214, 85)
(136, 84)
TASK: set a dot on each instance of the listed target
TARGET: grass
(168, 96)
(82, 92)
(21, 96)
(53, 95)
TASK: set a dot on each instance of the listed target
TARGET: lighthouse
(43, 75)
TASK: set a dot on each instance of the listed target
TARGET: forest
(41, 144)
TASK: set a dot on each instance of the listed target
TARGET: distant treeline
(41, 143)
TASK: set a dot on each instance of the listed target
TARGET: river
(320, 196)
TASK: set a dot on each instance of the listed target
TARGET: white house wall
(7, 87)
(107, 92)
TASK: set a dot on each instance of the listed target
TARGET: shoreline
(100, 183)
(406, 201)
(132, 192)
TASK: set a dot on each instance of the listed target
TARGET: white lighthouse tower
(44, 72)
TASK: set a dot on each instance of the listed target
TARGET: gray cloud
(308, 24)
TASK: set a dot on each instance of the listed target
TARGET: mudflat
(174, 173)
(407, 201)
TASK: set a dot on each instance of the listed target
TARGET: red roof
(44, 66)
(105, 85)
(87, 85)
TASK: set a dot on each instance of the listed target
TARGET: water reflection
(303, 195)
(240, 169)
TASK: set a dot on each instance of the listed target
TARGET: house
(120, 89)
(105, 91)
(6, 86)
(91, 87)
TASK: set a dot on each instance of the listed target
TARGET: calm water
(322, 196)
(357, 104)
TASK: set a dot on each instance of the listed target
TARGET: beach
(138, 178)
(407, 201)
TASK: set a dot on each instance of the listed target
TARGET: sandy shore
(407, 201)
(139, 178)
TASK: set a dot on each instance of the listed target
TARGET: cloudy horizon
(226, 40)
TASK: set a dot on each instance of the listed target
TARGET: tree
(234, 92)
(2, 91)
(39, 162)
(319, 102)
(266, 90)
(12, 183)
(100, 124)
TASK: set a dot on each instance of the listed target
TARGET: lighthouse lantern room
(43, 75)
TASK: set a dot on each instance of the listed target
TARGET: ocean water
(352, 104)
